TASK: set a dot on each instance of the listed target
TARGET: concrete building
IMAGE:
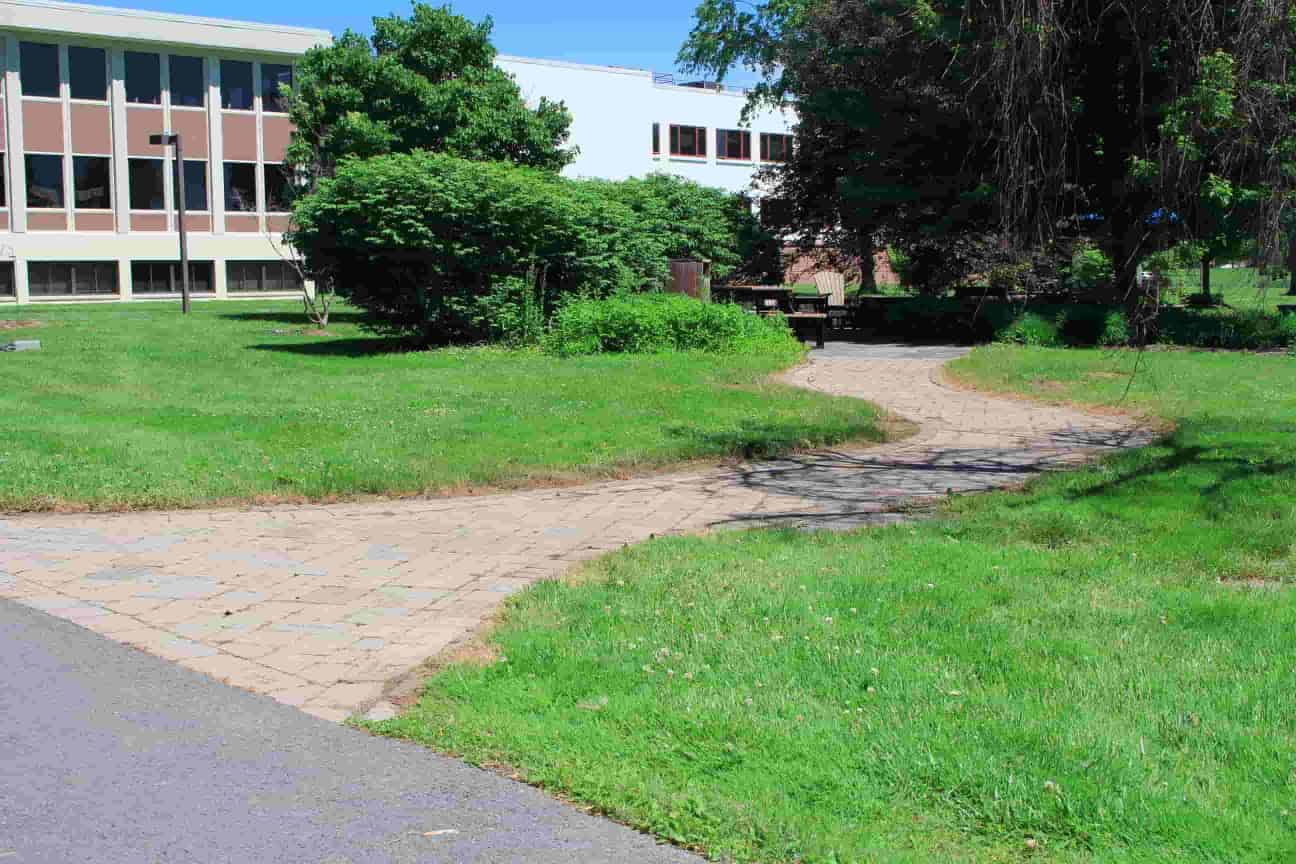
(631, 122)
(87, 200)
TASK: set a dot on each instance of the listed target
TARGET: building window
(688, 140)
(78, 278)
(240, 187)
(92, 182)
(88, 73)
(163, 277)
(7, 279)
(236, 85)
(733, 144)
(44, 181)
(656, 139)
(245, 277)
(273, 75)
(4, 184)
(774, 147)
(143, 78)
(195, 185)
(278, 189)
(39, 69)
(188, 88)
(147, 191)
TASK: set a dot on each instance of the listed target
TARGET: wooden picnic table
(762, 298)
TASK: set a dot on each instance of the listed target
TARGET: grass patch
(132, 405)
(1098, 669)
(1241, 287)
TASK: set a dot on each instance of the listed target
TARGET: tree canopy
(1023, 122)
(423, 82)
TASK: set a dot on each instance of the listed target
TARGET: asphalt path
(113, 756)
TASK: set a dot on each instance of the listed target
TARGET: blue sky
(612, 32)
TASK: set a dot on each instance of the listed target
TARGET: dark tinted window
(92, 182)
(195, 185)
(236, 84)
(247, 276)
(278, 189)
(733, 144)
(44, 180)
(143, 78)
(7, 279)
(4, 185)
(163, 277)
(59, 278)
(240, 186)
(146, 189)
(656, 139)
(775, 148)
(87, 73)
(688, 140)
(39, 70)
(272, 75)
(188, 86)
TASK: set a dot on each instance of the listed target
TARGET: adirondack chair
(832, 286)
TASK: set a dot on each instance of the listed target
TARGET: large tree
(1067, 116)
(423, 82)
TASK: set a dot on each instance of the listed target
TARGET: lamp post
(163, 140)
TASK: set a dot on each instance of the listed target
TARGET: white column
(65, 90)
(260, 148)
(169, 193)
(120, 154)
(215, 154)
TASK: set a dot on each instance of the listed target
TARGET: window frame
(171, 273)
(131, 162)
(251, 85)
(282, 271)
(656, 139)
(744, 146)
(126, 77)
(266, 167)
(108, 184)
(104, 70)
(98, 268)
(61, 207)
(228, 176)
(202, 82)
(206, 186)
(280, 106)
(23, 75)
(697, 133)
(767, 139)
(8, 279)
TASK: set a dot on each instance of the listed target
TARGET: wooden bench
(815, 322)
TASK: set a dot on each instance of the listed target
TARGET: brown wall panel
(192, 126)
(93, 221)
(38, 220)
(197, 223)
(140, 124)
(277, 223)
(241, 222)
(91, 129)
(148, 222)
(42, 127)
(4, 220)
(276, 132)
(239, 132)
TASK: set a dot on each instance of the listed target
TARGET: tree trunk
(1205, 276)
(868, 274)
(1291, 261)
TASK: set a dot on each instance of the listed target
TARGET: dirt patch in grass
(20, 324)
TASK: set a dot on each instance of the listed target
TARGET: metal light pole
(173, 138)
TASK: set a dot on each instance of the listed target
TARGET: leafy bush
(647, 323)
(1116, 329)
(1031, 329)
(1090, 268)
(1249, 329)
(445, 249)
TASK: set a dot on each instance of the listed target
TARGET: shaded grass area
(135, 406)
(1241, 287)
(1098, 669)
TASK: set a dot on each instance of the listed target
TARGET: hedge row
(928, 318)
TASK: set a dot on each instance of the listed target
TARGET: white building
(631, 122)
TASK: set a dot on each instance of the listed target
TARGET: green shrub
(445, 249)
(1116, 329)
(1090, 269)
(648, 323)
(1248, 329)
(1032, 329)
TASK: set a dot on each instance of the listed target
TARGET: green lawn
(1099, 669)
(1241, 287)
(135, 406)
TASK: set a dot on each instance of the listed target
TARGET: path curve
(320, 606)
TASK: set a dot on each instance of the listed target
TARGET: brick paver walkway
(320, 606)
